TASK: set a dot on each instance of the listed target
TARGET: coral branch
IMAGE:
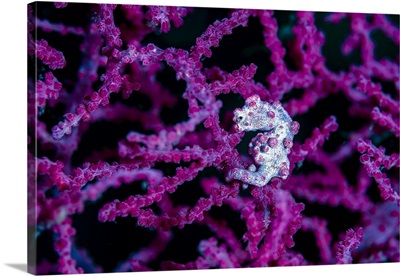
(350, 241)
(373, 159)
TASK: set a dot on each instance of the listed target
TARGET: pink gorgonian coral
(190, 138)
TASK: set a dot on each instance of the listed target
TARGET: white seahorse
(270, 148)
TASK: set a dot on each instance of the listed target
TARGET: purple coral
(138, 146)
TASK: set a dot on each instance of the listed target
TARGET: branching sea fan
(165, 138)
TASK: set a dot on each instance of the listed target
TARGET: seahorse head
(257, 115)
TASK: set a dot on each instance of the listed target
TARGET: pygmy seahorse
(270, 148)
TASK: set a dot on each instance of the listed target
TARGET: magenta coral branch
(223, 232)
(386, 120)
(257, 223)
(47, 89)
(132, 205)
(160, 15)
(317, 139)
(374, 90)
(239, 81)
(47, 26)
(80, 177)
(329, 187)
(50, 56)
(285, 220)
(214, 33)
(217, 256)
(63, 246)
(147, 218)
(108, 29)
(350, 241)
(374, 160)
(322, 235)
